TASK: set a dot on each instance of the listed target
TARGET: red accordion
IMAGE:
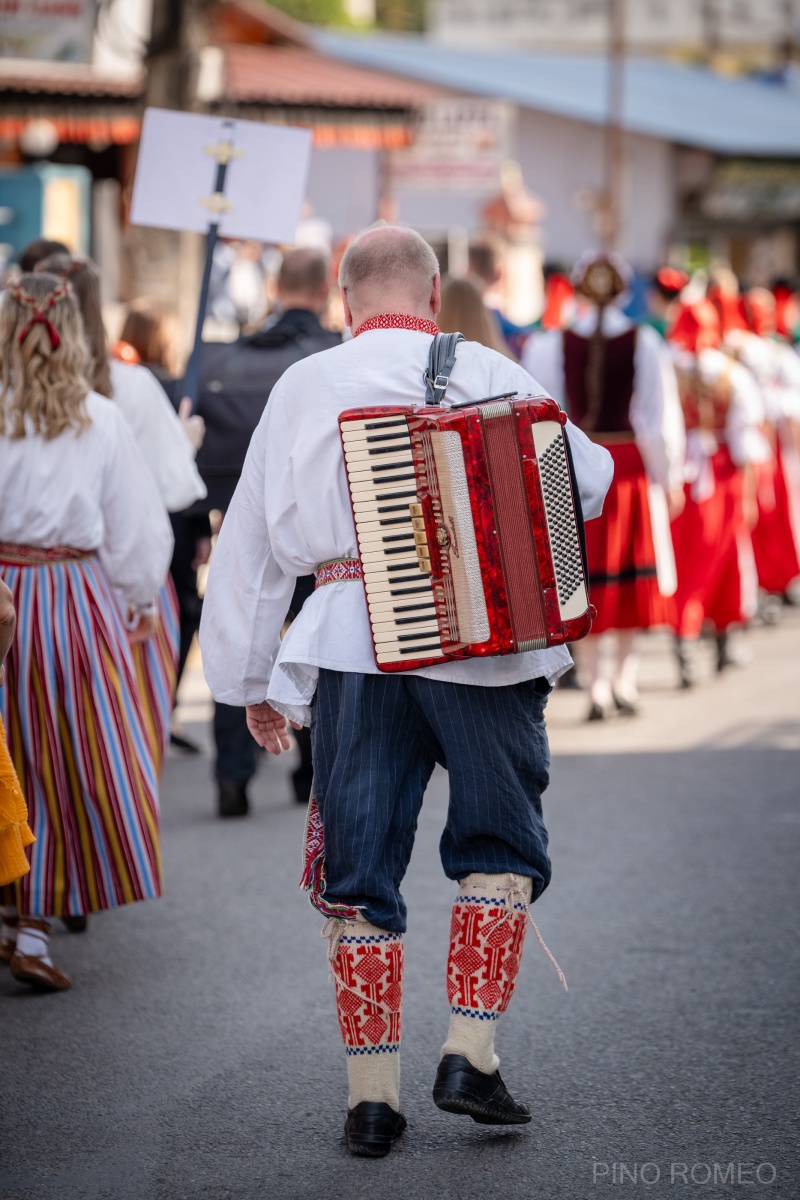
(469, 529)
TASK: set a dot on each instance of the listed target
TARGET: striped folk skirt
(156, 664)
(621, 551)
(78, 740)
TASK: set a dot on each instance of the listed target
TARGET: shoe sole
(373, 1145)
(484, 1114)
(370, 1149)
(39, 985)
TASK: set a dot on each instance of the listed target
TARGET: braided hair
(43, 359)
(84, 278)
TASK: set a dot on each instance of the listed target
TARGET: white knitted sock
(367, 966)
(486, 937)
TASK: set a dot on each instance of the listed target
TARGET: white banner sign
(176, 171)
(458, 145)
(57, 30)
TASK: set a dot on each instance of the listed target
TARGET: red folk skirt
(776, 541)
(712, 550)
(621, 555)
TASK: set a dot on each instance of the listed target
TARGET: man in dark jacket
(235, 383)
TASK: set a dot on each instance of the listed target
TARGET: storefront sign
(56, 30)
(743, 190)
(458, 145)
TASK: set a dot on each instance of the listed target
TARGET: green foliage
(405, 15)
(314, 12)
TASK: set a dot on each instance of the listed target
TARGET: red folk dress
(713, 546)
(621, 553)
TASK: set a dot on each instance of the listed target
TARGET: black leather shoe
(372, 1127)
(232, 800)
(462, 1088)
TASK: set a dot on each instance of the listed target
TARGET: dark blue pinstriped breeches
(376, 740)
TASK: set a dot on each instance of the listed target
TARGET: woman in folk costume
(15, 833)
(168, 444)
(80, 519)
(776, 367)
(713, 548)
(617, 383)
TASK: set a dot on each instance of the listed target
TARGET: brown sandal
(30, 969)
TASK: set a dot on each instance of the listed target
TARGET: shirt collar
(397, 321)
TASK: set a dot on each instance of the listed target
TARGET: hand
(268, 727)
(193, 426)
(676, 500)
(750, 511)
(202, 552)
(144, 629)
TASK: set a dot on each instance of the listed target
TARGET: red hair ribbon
(40, 313)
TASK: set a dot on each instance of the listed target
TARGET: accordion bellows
(468, 528)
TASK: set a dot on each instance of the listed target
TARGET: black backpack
(235, 384)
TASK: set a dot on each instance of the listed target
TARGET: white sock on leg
(487, 932)
(367, 966)
(34, 942)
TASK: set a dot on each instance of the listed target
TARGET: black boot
(684, 662)
(462, 1088)
(372, 1127)
(232, 799)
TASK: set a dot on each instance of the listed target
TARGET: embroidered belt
(15, 555)
(338, 570)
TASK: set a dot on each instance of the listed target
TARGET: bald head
(389, 269)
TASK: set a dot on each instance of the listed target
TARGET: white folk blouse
(89, 489)
(158, 433)
(291, 512)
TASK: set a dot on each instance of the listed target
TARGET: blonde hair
(463, 311)
(84, 279)
(43, 358)
(389, 257)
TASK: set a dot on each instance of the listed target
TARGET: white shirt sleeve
(248, 594)
(655, 413)
(743, 431)
(137, 537)
(543, 358)
(159, 435)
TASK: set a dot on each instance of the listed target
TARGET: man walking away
(235, 384)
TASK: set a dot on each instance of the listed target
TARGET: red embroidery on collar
(398, 321)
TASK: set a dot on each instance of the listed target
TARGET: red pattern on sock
(486, 942)
(369, 992)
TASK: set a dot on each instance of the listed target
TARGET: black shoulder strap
(441, 361)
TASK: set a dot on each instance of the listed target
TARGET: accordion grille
(514, 529)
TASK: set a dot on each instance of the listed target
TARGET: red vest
(616, 376)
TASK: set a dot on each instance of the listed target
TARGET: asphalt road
(198, 1057)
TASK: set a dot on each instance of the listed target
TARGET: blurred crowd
(114, 485)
